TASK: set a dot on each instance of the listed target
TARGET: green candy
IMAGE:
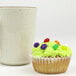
(55, 46)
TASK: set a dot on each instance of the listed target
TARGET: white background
(56, 19)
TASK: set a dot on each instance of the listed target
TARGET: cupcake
(50, 57)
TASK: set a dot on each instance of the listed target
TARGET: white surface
(29, 71)
(55, 19)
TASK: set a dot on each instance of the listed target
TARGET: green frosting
(50, 51)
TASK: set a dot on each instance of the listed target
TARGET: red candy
(57, 42)
(47, 40)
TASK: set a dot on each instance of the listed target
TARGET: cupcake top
(50, 49)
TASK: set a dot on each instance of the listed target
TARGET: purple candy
(43, 46)
(36, 44)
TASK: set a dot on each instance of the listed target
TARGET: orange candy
(57, 42)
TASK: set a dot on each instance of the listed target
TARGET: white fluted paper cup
(50, 65)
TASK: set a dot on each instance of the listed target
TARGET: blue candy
(36, 44)
(43, 46)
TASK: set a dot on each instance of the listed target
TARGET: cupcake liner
(50, 65)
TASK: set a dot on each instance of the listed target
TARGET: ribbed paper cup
(50, 65)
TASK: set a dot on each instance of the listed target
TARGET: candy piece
(55, 46)
(36, 44)
(47, 40)
(43, 46)
(64, 47)
(57, 42)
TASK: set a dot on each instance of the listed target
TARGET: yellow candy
(64, 47)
